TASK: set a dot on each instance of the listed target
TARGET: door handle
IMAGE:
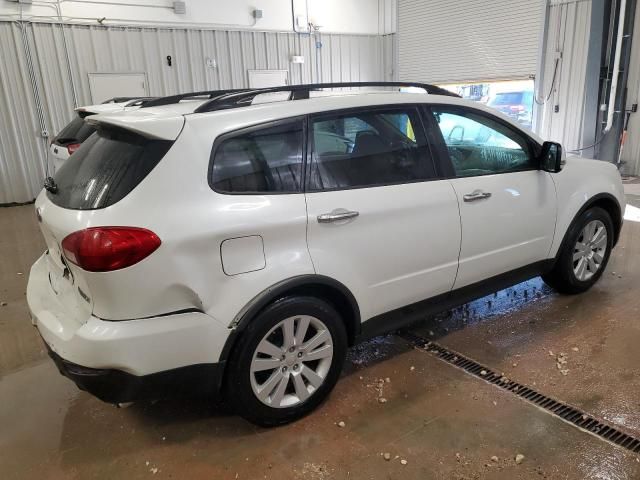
(337, 215)
(476, 195)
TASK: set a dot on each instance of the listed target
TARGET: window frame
(252, 128)
(427, 127)
(419, 129)
(446, 163)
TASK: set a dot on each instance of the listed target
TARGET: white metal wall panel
(50, 67)
(387, 16)
(444, 41)
(568, 33)
(22, 148)
(389, 47)
(631, 151)
(97, 49)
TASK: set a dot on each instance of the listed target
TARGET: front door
(507, 205)
(380, 220)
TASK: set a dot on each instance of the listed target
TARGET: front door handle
(476, 195)
(337, 215)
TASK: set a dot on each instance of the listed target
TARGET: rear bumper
(121, 361)
(116, 386)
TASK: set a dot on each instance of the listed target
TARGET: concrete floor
(444, 422)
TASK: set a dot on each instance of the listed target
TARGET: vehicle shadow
(147, 426)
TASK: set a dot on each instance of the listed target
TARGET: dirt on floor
(438, 422)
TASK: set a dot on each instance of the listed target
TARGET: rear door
(507, 205)
(380, 218)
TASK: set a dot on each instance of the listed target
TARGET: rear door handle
(476, 195)
(337, 215)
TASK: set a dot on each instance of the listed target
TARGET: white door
(104, 86)
(378, 220)
(507, 205)
(267, 78)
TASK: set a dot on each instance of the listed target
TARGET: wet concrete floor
(443, 422)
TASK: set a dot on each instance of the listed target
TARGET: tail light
(104, 249)
(72, 147)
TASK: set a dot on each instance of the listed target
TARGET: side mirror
(551, 157)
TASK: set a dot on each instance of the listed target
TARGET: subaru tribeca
(238, 244)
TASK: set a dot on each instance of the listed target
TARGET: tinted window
(75, 132)
(367, 149)
(107, 166)
(266, 159)
(479, 145)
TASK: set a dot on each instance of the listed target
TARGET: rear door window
(265, 159)
(106, 167)
(368, 148)
(77, 131)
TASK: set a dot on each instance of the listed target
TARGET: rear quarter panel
(192, 221)
(580, 180)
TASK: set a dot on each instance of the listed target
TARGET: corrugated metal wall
(124, 49)
(22, 148)
(568, 33)
(631, 152)
(389, 56)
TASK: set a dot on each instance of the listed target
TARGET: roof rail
(299, 92)
(124, 99)
(158, 101)
(139, 101)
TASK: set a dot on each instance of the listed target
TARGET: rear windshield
(76, 132)
(109, 165)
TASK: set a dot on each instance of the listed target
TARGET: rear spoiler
(95, 109)
(84, 113)
(149, 126)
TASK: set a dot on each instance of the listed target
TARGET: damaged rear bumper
(117, 386)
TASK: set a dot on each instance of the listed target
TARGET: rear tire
(287, 361)
(584, 253)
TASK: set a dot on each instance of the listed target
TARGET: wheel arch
(319, 286)
(608, 203)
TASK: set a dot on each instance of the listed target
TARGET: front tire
(584, 254)
(287, 361)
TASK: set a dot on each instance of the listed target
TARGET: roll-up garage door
(455, 41)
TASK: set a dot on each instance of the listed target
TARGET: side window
(368, 148)
(479, 145)
(260, 160)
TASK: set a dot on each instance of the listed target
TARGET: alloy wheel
(291, 361)
(590, 250)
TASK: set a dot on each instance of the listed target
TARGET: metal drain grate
(565, 412)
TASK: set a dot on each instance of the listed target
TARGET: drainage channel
(566, 412)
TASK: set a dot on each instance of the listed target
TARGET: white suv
(240, 244)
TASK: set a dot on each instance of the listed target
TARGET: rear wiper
(50, 185)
